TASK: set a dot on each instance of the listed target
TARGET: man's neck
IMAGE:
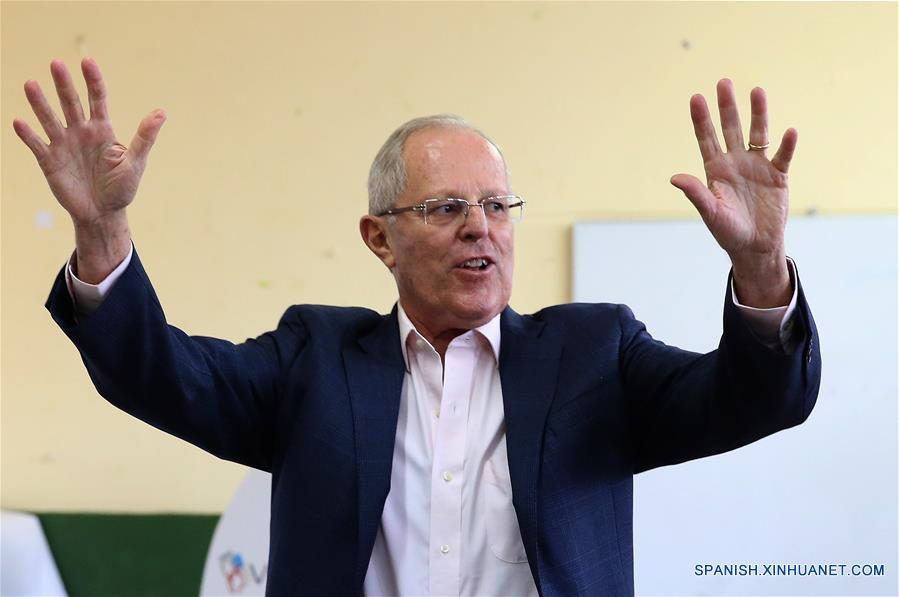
(440, 337)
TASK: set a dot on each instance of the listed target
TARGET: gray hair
(387, 177)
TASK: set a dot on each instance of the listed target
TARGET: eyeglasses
(502, 209)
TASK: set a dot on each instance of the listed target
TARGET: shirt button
(437, 413)
(420, 343)
(444, 548)
(447, 476)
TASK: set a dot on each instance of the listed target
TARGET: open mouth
(475, 264)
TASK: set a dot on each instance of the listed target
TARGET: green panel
(125, 555)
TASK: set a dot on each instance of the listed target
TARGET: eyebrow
(443, 194)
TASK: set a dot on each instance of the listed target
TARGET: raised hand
(91, 174)
(745, 200)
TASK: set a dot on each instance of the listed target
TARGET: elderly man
(452, 446)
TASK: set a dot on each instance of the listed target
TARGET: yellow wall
(252, 196)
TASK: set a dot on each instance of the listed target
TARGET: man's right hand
(93, 176)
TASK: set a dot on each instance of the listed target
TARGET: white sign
(237, 561)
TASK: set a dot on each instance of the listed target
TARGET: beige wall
(255, 186)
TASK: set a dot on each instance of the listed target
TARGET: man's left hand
(746, 201)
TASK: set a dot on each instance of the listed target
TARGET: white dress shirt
(449, 527)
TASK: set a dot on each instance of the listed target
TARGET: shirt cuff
(774, 327)
(87, 297)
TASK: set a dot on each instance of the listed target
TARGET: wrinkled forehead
(453, 161)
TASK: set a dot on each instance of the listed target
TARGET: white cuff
(774, 326)
(87, 297)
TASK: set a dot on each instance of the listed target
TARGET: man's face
(436, 289)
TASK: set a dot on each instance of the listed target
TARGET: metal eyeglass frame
(423, 207)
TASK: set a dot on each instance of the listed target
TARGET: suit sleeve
(684, 405)
(215, 394)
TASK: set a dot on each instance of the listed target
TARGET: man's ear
(375, 237)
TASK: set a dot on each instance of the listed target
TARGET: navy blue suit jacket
(590, 399)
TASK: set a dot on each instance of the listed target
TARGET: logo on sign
(238, 573)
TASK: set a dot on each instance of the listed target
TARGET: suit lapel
(375, 372)
(528, 368)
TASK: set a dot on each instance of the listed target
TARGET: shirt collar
(489, 331)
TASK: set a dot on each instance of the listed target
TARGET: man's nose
(475, 224)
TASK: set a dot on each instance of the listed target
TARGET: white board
(823, 493)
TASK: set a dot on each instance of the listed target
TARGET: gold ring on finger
(758, 147)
